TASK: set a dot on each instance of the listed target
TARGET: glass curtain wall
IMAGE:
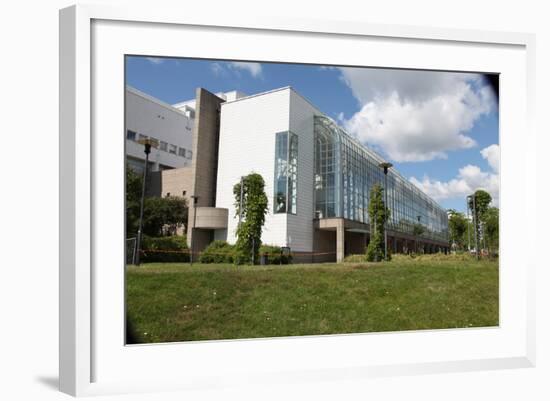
(286, 169)
(345, 171)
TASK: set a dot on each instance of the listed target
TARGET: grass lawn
(177, 302)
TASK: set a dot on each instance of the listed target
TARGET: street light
(385, 166)
(195, 200)
(476, 234)
(472, 198)
(468, 200)
(147, 144)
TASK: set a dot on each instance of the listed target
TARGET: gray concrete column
(340, 238)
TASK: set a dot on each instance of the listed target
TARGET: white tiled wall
(300, 226)
(247, 144)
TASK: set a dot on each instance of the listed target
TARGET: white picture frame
(88, 358)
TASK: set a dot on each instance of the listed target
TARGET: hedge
(218, 252)
(275, 255)
(164, 249)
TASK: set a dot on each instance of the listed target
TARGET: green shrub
(275, 255)
(403, 257)
(218, 252)
(434, 257)
(242, 257)
(164, 249)
(375, 250)
(356, 258)
(440, 256)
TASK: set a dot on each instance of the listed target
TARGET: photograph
(275, 199)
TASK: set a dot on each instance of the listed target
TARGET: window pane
(281, 168)
(292, 172)
(346, 171)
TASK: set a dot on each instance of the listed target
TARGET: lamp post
(386, 166)
(195, 199)
(472, 199)
(468, 200)
(147, 144)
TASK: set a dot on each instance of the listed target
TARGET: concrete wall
(247, 144)
(204, 166)
(210, 218)
(201, 241)
(205, 147)
(324, 242)
(175, 182)
(150, 117)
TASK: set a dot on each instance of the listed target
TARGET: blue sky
(440, 129)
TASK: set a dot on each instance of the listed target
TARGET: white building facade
(248, 134)
(172, 128)
(318, 178)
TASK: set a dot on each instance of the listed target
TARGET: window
(189, 154)
(183, 193)
(167, 194)
(142, 137)
(163, 146)
(173, 149)
(131, 135)
(344, 174)
(286, 165)
(181, 152)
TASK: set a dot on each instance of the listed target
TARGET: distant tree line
(482, 226)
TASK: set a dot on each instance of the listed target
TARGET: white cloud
(416, 115)
(492, 155)
(469, 179)
(220, 69)
(255, 69)
(155, 60)
(216, 68)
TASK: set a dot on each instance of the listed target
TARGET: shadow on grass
(131, 333)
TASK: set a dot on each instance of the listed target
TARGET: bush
(218, 252)
(275, 255)
(403, 257)
(375, 249)
(440, 256)
(361, 258)
(164, 249)
(434, 257)
(241, 257)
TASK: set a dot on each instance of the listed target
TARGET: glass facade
(345, 171)
(286, 168)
